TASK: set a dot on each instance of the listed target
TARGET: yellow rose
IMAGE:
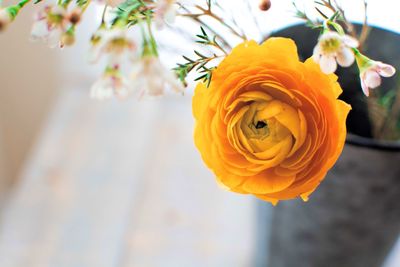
(269, 125)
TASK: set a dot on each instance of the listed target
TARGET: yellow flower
(269, 125)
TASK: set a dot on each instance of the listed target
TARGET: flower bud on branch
(265, 5)
(5, 19)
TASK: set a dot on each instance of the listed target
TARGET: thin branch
(232, 19)
(365, 28)
(103, 15)
(349, 25)
(256, 22)
(207, 12)
(205, 25)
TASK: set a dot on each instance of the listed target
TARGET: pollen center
(330, 45)
(260, 125)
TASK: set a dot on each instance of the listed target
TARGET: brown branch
(208, 12)
(349, 25)
(198, 20)
(365, 28)
(256, 22)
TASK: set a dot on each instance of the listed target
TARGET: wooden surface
(121, 184)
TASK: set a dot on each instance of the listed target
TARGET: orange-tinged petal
(269, 125)
(267, 182)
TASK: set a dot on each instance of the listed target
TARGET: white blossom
(333, 49)
(151, 78)
(114, 43)
(49, 26)
(371, 75)
(111, 83)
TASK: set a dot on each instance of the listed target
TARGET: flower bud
(67, 39)
(75, 16)
(5, 19)
(265, 5)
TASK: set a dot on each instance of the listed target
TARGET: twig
(256, 22)
(208, 12)
(103, 15)
(349, 25)
(232, 18)
(205, 25)
(365, 28)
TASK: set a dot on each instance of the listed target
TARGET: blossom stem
(64, 3)
(14, 10)
(363, 61)
(256, 22)
(233, 19)
(85, 6)
(205, 25)
(365, 28)
(349, 25)
(218, 46)
(336, 26)
(103, 15)
(208, 12)
(153, 42)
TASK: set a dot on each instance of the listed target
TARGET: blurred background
(119, 183)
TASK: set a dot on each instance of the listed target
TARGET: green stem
(22, 3)
(149, 45)
(103, 15)
(363, 62)
(336, 26)
(14, 10)
(85, 6)
(153, 42)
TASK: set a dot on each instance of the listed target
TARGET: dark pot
(353, 218)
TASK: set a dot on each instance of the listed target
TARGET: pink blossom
(371, 76)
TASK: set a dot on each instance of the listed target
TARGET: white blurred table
(121, 184)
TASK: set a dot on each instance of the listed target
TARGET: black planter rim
(383, 145)
(294, 25)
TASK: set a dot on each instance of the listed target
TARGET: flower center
(260, 125)
(330, 45)
(259, 128)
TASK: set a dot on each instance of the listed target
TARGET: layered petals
(269, 125)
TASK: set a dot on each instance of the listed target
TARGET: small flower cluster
(335, 47)
(112, 41)
(148, 76)
(55, 26)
